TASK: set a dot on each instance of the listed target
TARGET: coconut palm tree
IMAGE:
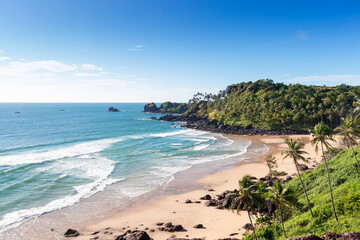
(350, 130)
(321, 135)
(247, 198)
(283, 198)
(295, 152)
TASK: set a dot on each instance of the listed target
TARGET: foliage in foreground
(346, 188)
(345, 178)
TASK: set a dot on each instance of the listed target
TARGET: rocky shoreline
(206, 125)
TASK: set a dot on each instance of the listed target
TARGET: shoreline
(217, 223)
(162, 203)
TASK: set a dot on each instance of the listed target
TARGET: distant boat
(17, 112)
(62, 110)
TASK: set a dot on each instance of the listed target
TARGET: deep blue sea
(52, 155)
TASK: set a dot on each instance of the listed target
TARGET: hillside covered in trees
(272, 106)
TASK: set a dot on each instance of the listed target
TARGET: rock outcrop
(134, 235)
(330, 236)
(112, 109)
(206, 125)
(71, 233)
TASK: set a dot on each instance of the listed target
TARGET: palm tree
(350, 130)
(322, 134)
(283, 198)
(247, 198)
(295, 152)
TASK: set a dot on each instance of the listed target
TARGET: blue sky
(144, 50)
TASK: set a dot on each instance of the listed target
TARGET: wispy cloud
(301, 35)
(351, 79)
(138, 47)
(83, 74)
(90, 67)
(2, 59)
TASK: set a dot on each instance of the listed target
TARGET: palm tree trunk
(328, 174)
(252, 225)
(355, 156)
(307, 198)
(282, 221)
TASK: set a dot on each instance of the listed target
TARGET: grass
(345, 179)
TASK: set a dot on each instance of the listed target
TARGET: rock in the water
(71, 233)
(206, 197)
(112, 109)
(199, 226)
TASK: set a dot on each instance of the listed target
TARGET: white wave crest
(168, 134)
(54, 154)
(201, 147)
(103, 169)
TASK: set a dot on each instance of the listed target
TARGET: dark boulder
(199, 226)
(303, 167)
(248, 227)
(341, 236)
(135, 235)
(71, 233)
(178, 228)
(168, 225)
(206, 197)
(307, 237)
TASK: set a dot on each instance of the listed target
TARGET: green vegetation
(350, 130)
(173, 107)
(247, 198)
(321, 135)
(296, 153)
(297, 218)
(346, 189)
(272, 106)
(328, 206)
(166, 107)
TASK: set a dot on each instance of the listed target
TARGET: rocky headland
(166, 108)
(206, 125)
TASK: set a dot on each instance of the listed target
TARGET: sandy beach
(217, 223)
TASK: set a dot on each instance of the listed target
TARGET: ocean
(53, 155)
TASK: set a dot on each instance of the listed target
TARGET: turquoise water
(54, 155)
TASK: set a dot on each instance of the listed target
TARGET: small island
(112, 109)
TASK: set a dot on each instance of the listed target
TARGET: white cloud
(90, 67)
(82, 74)
(350, 79)
(138, 47)
(2, 59)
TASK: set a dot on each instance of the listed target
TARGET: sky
(168, 50)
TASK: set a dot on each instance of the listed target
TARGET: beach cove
(168, 204)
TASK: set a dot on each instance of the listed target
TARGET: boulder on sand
(71, 233)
